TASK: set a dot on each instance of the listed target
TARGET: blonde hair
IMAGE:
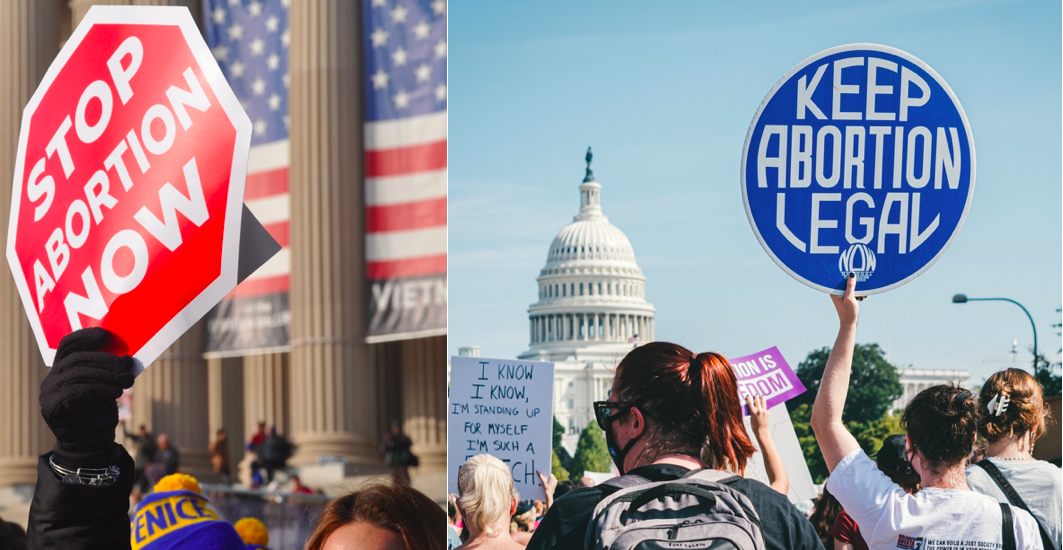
(525, 520)
(1025, 409)
(485, 492)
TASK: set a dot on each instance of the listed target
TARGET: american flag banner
(405, 44)
(250, 41)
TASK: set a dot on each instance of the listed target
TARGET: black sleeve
(80, 517)
(783, 525)
(565, 524)
(173, 461)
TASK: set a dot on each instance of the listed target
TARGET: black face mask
(615, 451)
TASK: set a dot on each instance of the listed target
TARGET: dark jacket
(397, 450)
(168, 459)
(275, 451)
(146, 449)
(80, 517)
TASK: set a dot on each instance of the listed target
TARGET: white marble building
(916, 380)
(591, 310)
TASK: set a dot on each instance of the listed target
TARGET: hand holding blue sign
(848, 304)
(860, 160)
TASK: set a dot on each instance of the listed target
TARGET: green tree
(800, 417)
(559, 450)
(1045, 371)
(591, 452)
(873, 385)
(557, 468)
(868, 434)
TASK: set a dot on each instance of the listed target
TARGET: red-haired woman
(672, 411)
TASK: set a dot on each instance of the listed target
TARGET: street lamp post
(963, 299)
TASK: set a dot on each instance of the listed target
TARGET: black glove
(78, 399)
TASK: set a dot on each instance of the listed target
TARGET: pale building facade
(914, 381)
(592, 310)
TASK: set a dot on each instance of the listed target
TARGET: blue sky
(665, 93)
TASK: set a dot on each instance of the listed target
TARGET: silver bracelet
(97, 477)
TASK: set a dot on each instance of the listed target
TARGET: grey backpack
(699, 511)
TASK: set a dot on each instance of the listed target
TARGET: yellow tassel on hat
(177, 482)
(252, 531)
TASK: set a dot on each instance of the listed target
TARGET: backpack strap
(1013, 496)
(1007, 529)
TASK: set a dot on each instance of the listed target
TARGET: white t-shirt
(932, 519)
(1039, 483)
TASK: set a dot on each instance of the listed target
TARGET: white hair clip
(998, 404)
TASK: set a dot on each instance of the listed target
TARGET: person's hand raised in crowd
(848, 304)
(78, 398)
(759, 416)
(549, 486)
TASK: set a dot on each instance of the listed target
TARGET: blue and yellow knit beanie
(177, 517)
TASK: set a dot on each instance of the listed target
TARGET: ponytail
(690, 402)
(719, 412)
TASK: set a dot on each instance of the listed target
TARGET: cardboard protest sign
(503, 408)
(766, 373)
(128, 185)
(859, 160)
(782, 434)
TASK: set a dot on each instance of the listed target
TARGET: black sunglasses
(602, 408)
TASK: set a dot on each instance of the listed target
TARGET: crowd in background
(961, 476)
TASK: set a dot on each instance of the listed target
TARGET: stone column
(334, 409)
(29, 41)
(424, 401)
(265, 392)
(171, 397)
(225, 390)
(78, 8)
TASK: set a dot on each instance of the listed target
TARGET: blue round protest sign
(860, 160)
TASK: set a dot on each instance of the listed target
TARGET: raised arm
(760, 420)
(549, 486)
(834, 440)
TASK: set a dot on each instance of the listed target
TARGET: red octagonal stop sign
(128, 183)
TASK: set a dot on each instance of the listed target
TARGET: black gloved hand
(78, 399)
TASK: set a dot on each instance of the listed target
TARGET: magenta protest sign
(766, 373)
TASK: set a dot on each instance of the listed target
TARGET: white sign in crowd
(503, 408)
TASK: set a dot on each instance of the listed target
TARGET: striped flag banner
(406, 167)
(250, 41)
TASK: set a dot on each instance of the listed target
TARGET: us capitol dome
(592, 309)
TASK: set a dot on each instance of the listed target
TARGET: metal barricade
(289, 518)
